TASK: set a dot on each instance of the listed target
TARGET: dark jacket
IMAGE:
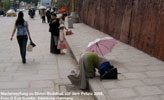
(54, 28)
(48, 13)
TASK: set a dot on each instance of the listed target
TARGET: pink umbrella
(101, 46)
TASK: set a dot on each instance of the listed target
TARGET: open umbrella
(42, 7)
(101, 46)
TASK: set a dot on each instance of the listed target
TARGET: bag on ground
(68, 32)
(107, 71)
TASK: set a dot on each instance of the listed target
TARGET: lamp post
(17, 2)
(73, 5)
(12, 3)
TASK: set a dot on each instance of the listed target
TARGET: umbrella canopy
(11, 11)
(101, 46)
(42, 7)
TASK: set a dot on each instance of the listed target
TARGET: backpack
(107, 71)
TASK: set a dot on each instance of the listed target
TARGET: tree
(4, 4)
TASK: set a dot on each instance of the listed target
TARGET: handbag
(110, 74)
(30, 46)
(68, 32)
(107, 71)
(32, 43)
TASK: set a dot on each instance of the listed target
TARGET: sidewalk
(43, 72)
(141, 78)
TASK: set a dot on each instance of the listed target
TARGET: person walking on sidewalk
(62, 42)
(43, 15)
(48, 15)
(22, 30)
(54, 29)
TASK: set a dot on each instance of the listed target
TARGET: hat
(61, 25)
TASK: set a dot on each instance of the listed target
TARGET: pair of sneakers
(62, 53)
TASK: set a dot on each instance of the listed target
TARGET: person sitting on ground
(87, 63)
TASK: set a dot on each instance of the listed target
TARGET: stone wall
(139, 23)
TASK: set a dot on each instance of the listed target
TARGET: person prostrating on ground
(22, 31)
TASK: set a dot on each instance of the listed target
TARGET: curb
(94, 84)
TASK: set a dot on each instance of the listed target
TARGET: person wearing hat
(62, 42)
(54, 29)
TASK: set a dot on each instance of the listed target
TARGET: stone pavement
(141, 78)
(44, 72)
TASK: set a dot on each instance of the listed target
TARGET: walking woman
(22, 30)
(54, 29)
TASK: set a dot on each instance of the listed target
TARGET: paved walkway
(141, 78)
(44, 72)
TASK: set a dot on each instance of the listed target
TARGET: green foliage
(4, 4)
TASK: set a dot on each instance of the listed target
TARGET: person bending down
(87, 64)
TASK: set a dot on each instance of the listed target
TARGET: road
(43, 72)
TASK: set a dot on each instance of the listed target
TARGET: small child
(62, 42)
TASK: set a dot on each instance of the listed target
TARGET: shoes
(24, 61)
(62, 53)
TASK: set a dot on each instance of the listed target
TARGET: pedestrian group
(88, 61)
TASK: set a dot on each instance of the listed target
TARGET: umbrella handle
(99, 49)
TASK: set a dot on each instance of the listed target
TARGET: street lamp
(73, 6)
(17, 2)
(12, 2)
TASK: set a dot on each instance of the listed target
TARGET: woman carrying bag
(22, 31)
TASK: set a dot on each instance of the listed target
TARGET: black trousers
(43, 19)
(53, 47)
(22, 41)
(48, 19)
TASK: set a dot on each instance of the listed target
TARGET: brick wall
(139, 23)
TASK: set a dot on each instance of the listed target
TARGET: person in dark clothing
(43, 15)
(54, 29)
(22, 31)
(48, 15)
(31, 12)
(64, 16)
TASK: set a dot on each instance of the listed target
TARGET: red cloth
(63, 10)
(61, 42)
(62, 46)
